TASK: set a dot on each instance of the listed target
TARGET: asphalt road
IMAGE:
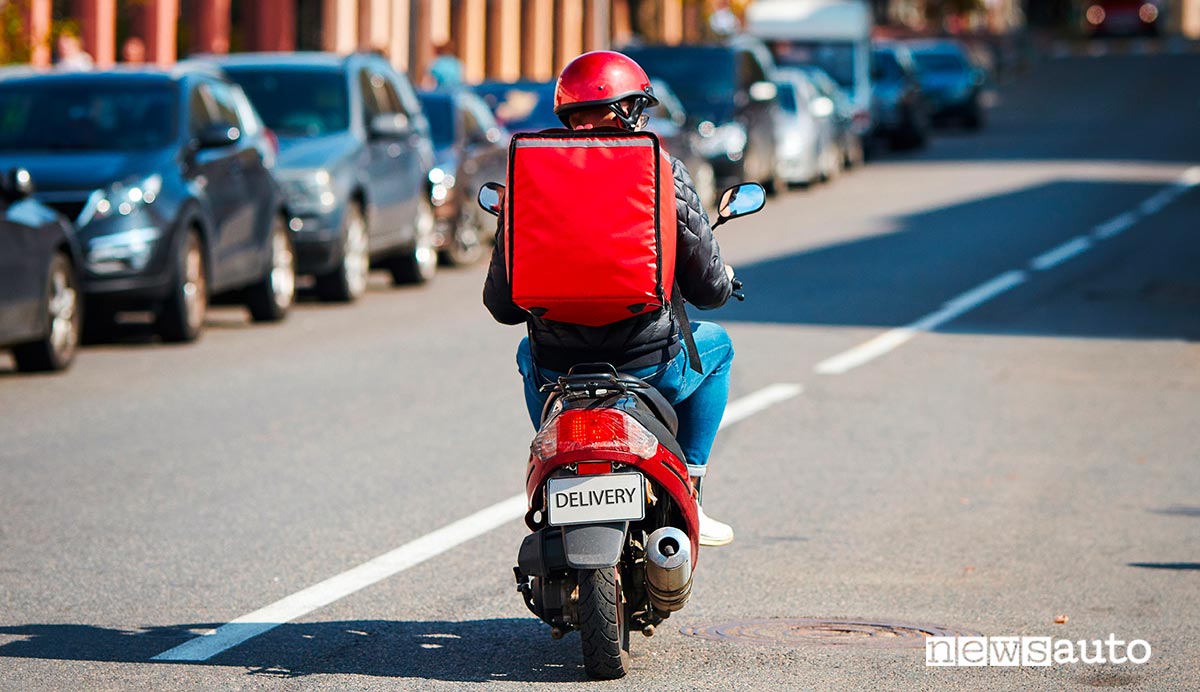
(1015, 442)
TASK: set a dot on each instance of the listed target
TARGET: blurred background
(496, 39)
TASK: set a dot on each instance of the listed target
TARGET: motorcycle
(613, 515)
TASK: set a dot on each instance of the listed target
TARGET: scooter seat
(658, 405)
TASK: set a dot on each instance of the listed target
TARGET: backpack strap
(685, 327)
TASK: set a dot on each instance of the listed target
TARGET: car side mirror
(216, 136)
(491, 197)
(389, 126)
(740, 200)
(763, 91)
(17, 184)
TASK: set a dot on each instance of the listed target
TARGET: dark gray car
(167, 176)
(730, 99)
(354, 156)
(40, 296)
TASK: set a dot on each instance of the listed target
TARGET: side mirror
(216, 136)
(491, 197)
(17, 184)
(389, 126)
(740, 200)
(763, 91)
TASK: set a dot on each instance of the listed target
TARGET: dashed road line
(895, 338)
(411, 554)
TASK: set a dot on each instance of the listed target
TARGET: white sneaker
(713, 532)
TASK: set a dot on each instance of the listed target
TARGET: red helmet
(603, 78)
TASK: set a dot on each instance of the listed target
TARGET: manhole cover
(821, 632)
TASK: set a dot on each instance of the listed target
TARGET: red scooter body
(665, 469)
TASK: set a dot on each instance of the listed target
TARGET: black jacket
(648, 339)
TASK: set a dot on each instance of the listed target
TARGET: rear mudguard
(594, 546)
(584, 546)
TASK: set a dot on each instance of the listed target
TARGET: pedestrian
(133, 51)
(71, 55)
(446, 70)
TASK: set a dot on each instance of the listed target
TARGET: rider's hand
(729, 272)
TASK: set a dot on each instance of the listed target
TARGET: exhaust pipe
(669, 568)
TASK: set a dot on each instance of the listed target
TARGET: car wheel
(771, 181)
(63, 312)
(464, 246)
(418, 265)
(348, 282)
(270, 299)
(181, 317)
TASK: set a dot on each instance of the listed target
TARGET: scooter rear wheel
(603, 627)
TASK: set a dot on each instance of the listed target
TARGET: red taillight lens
(594, 468)
(272, 139)
(605, 429)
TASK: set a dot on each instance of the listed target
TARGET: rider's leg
(699, 401)
(532, 379)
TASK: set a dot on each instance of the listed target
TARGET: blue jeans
(699, 399)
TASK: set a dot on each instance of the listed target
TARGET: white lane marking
(319, 595)
(408, 555)
(1062, 253)
(1156, 203)
(761, 400)
(894, 338)
(1115, 226)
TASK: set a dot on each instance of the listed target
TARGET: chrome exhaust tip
(669, 568)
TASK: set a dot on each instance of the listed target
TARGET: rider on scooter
(606, 89)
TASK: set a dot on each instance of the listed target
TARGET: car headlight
(125, 251)
(441, 180)
(309, 192)
(121, 198)
(728, 139)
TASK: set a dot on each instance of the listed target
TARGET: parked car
(166, 174)
(469, 149)
(354, 156)
(524, 106)
(952, 84)
(834, 35)
(669, 120)
(727, 90)
(41, 304)
(901, 111)
(809, 150)
(849, 135)
(1122, 18)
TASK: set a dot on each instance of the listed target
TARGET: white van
(834, 35)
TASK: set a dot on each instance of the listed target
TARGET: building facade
(495, 39)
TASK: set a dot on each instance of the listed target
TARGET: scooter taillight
(584, 430)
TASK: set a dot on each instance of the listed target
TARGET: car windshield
(702, 78)
(295, 102)
(939, 62)
(887, 67)
(521, 107)
(439, 109)
(88, 115)
(787, 97)
(836, 58)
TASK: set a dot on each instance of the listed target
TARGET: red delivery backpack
(590, 227)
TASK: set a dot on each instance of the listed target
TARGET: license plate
(596, 499)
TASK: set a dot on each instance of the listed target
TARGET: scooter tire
(603, 629)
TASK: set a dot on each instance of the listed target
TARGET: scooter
(613, 513)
